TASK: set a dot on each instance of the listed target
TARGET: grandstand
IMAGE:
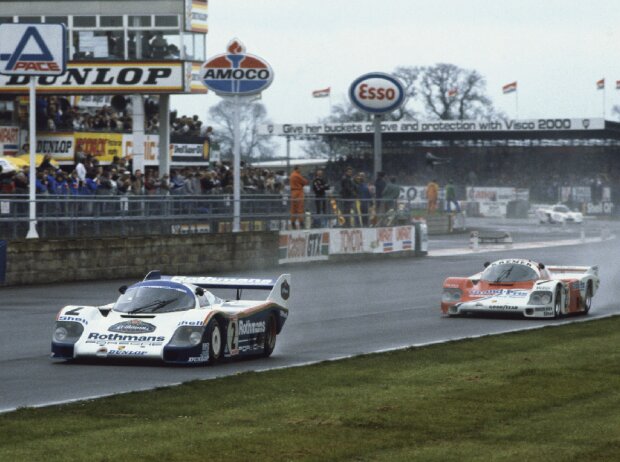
(125, 60)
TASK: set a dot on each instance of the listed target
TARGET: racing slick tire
(557, 304)
(587, 301)
(270, 336)
(214, 337)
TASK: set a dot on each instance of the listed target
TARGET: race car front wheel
(214, 337)
(270, 336)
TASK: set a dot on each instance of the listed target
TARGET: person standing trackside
(348, 194)
(451, 198)
(297, 183)
(432, 195)
(320, 186)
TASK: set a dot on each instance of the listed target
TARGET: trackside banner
(107, 77)
(371, 240)
(443, 126)
(9, 140)
(306, 245)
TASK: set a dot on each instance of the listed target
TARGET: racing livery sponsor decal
(73, 319)
(285, 290)
(232, 336)
(126, 338)
(135, 326)
(250, 328)
(511, 293)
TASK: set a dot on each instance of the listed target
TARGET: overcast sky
(556, 49)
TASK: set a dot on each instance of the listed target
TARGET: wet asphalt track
(337, 310)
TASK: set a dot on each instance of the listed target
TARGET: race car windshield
(561, 208)
(508, 273)
(153, 300)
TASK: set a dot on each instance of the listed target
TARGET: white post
(32, 205)
(236, 167)
(137, 124)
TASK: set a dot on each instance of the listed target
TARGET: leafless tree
(449, 92)
(251, 115)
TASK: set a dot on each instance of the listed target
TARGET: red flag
(452, 92)
(600, 85)
(617, 84)
(321, 93)
(510, 87)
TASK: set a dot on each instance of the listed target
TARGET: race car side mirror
(200, 291)
(122, 289)
(541, 266)
(487, 263)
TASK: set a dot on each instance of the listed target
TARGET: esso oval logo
(377, 93)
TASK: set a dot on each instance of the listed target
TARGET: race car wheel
(214, 337)
(557, 306)
(587, 302)
(270, 336)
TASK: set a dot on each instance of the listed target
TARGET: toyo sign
(377, 93)
(236, 72)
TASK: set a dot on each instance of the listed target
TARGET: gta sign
(236, 72)
(32, 49)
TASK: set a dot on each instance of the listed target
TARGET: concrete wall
(45, 261)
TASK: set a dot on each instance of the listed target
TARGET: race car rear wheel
(270, 336)
(557, 306)
(214, 337)
(587, 301)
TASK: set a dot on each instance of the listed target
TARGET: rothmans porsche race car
(559, 214)
(522, 287)
(176, 320)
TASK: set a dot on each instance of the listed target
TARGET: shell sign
(377, 93)
(236, 72)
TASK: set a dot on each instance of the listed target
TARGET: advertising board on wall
(196, 16)
(111, 77)
(371, 240)
(416, 126)
(304, 245)
(103, 146)
(61, 146)
(9, 140)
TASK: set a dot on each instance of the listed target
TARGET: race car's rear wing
(280, 288)
(570, 272)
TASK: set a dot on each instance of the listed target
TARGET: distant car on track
(175, 320)
(522, 287)
(558, 214)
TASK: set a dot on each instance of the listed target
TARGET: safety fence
(103, 216)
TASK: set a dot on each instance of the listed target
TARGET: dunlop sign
(105, 77)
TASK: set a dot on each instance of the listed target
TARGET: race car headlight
(67, 332)
(540, 298)
(451, 295)
(187, 336)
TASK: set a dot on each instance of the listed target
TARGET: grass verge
(550, 394)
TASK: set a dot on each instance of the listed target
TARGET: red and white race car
(524, 287)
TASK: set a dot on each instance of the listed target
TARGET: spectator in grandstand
(137, 183)
(21, 182)
(451, 198)
(151, 183)
(379, 187)
(348, 193)
(80, 168)
(41, 185)
(123, 184)
(159, 46)
(362, 202)
(432, 196)
(297, 183)
(391, 192)
(320, 187)
(7, 185)
(177, 183)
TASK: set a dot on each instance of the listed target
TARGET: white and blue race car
(176, 320)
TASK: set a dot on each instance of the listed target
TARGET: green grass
(551, 394)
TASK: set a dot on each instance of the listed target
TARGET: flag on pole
(509, 87)
(617, 84)
(452, 92)
(600, 85)
(321, 93)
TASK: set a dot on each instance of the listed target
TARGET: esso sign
(377, 93)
